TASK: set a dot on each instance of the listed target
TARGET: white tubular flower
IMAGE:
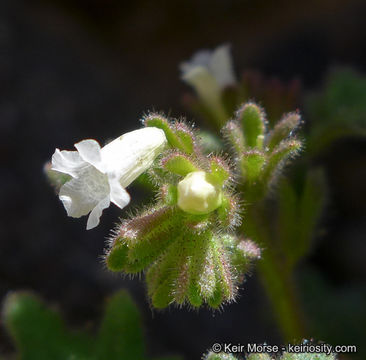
(100, 175)
(217, 64)
(208, 72)
(196, 195)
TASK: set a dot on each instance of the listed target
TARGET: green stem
(278, 284)
(282, 294)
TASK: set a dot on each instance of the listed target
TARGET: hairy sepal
(252, 120)
(283, 129)
(178, 163)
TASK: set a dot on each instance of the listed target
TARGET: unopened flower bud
(196, 195)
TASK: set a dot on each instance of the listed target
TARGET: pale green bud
(196, 195)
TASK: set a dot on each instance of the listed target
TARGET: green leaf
(298, 215)
(117, 257)
(275, 161)
(144, 181)
(162, 123)
(252, 121)
(283, 129)
(243, 253)
(39, 333)
(287, 223)
(120, 335)
(228, 213)
(338, 110)
(186, 137)
(161, 275)
(224, 277)
(139, 241)
(168, 194)
(163, 295)
(234, 136)
(179, 136)
(312, 203)
(217, 297)
(202, 280)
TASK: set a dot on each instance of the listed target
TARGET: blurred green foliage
(335, 314)
(39, 333)
(285, 227)
(338, 110)
(298, 215)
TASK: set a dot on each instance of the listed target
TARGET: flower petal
(68, 162)
(218, 63)
(93, 219)
(205, 84)
(128, 156)
(80, 195)
(221, 66)
(118, 195)
(200, 58)
(100, 175)
(75, 203)
(89, 151)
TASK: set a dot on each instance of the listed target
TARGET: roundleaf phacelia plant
(185, 241)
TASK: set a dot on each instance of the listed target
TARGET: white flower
(208, 72)
(196, 195)
(216, 64)
(100, 175)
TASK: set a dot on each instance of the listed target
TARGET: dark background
(71, 70)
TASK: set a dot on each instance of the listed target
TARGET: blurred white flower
(208, 72)
(217, 64)
(100, 175)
